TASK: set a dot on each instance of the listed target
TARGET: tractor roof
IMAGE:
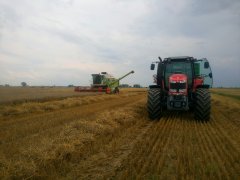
(179, 58)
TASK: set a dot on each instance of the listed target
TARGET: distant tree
(124, 85)
(136, 86)
(24, 84)
(70, 85)
(7, 85)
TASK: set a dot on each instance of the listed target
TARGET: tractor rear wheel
(202, 107)
(154, 104)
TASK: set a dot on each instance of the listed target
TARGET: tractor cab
(178, 67)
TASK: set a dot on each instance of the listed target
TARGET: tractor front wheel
(154, 104)
(202, 107)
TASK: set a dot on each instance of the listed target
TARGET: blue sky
(62, 42)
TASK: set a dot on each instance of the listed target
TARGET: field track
(110, 136)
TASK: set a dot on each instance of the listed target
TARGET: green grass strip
(227, 95)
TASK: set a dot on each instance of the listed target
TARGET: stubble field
(99, 136)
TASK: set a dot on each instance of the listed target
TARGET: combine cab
(182, 83)
(103, 82)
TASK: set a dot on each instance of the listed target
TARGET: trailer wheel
(154, 104)
(202, 107)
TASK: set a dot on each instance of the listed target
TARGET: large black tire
(154, 104)
(202, 107)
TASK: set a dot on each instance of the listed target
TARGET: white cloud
(63, 41)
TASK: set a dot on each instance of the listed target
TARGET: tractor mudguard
(154, 86)
(204, 86)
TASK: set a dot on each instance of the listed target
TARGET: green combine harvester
(103, 82)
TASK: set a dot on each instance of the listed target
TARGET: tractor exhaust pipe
(160, 59)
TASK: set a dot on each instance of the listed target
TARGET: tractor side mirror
(152, 66)
(206, 65)
(210, 75)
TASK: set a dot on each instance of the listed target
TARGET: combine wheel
(202, 107)
(116, 90)
(154, 104)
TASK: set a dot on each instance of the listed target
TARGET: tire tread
(202, 109)
(154, 104)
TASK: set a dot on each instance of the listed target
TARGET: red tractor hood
(178, 84)
(178, 78)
